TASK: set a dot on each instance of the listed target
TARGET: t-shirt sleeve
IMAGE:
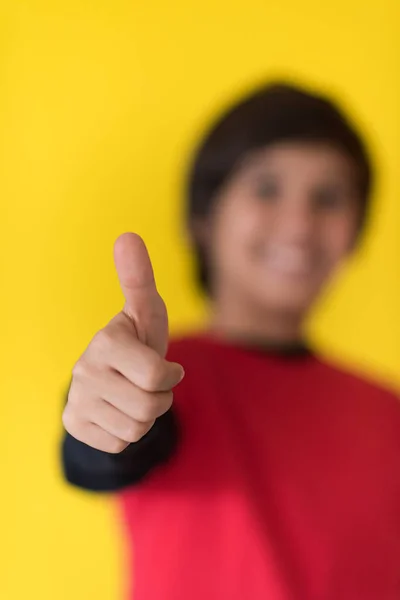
(99, 471)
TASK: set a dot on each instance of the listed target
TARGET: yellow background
(99, 103)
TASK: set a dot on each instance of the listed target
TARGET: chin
(293, 299)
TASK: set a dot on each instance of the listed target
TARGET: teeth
(288, 259)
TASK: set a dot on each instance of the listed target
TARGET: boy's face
(282, 224)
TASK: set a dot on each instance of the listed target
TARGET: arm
(96, 470)
(118, 413)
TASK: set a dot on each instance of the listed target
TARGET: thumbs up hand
(122, 382)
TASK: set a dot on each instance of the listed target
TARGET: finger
(140, 364)
(117, 424)
(143, 304)
(92, 435)
(134, 268)
(96, 437)
(130, 399)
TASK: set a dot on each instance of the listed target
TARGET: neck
(232, 320)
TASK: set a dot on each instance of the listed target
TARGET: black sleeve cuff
(99, 471)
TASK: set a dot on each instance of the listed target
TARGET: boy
(272, 474)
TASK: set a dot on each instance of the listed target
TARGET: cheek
(338, 237)
(235, 229)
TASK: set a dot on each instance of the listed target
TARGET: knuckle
(74, 396)
(107, 340)
(153, 376)
(144, 428)
(146, 411)
(104, 339)
(153, 406)
(69, 419)
(115, 446)
(102, 345)
(132, 433)
(82, 405)
(79, 370)
(168, 399)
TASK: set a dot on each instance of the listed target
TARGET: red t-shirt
(285, 484)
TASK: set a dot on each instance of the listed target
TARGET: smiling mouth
(288, 260)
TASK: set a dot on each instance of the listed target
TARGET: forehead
(306, 158)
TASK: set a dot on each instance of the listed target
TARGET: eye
(267, 189)
(329, 198)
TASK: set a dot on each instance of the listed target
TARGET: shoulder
(358, 383)
(188, 347)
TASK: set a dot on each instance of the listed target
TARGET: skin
(283, 224)
(122, 382)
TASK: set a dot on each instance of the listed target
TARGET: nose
(294, 221)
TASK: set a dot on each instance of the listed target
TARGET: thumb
(143, 304)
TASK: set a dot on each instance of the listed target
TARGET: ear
(200, 231)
